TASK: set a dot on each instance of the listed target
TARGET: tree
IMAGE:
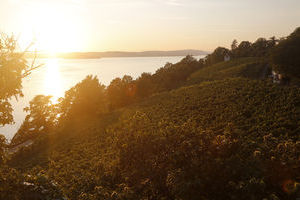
(261, 47)
(121, 92)
(244, 49)
(86, 98)
(145, 85)
(173, 75)
(41, 119)
(272, 42)
(217, 55)
(13, 67)
(234, 44)
(285, 56)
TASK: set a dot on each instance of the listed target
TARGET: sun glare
(54, 30)
(52, 80)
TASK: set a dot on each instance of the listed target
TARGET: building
(227, 57)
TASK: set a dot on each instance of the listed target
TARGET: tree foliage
(285, 56)
(86, 98)
(171, 76)
(217, 56)
(17, 186)
(121, 92)
(13, 67)
(40, 120)
(234, 44)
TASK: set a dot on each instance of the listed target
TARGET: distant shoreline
(114, 54)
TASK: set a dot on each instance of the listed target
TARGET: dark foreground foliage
(231, 139)
(16, 186)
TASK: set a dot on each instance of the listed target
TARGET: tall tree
(121, 92)
(260, 47)
(86, 98)
(13, 67)
(41, 119)
(285, 56)
(234, 44)
(145, 85)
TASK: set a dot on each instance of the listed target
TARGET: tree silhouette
(41, 118)
(234, 44)
(285, 57)
(217, 55)
(145, 85)
(13, 67)
(87, 98)
(121, 92)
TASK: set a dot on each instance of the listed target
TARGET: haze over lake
(58, 75)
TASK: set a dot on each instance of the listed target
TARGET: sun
(53, 80)
(54, 29)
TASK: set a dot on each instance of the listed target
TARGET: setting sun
(52, 29)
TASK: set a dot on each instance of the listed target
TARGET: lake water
(58, 75)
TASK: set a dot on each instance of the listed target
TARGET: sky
(139, 25)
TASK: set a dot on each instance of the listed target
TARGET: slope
(215, 140)
(252, 68)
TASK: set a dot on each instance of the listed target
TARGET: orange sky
(136, 25)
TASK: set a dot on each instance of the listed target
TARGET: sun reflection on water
(53, 80)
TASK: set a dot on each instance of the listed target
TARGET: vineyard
(250, 67)
(215, 140)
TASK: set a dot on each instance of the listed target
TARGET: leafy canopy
(13, 67)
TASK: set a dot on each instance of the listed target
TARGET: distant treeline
(108, 54)
(281, 54)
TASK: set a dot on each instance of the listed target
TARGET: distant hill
(106, 54)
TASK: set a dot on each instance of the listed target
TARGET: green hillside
(217, 140)
(251, 67)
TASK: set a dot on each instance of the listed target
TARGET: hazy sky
(135, 25)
